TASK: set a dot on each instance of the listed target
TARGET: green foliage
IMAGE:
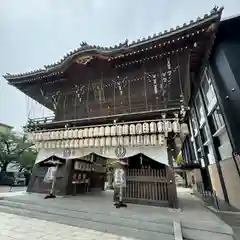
(16, 149)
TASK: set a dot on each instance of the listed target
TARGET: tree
(15, 149)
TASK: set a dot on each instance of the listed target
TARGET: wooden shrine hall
(126, 102)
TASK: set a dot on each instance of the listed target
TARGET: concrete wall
(231, 179)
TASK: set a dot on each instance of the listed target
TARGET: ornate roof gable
(108, 52)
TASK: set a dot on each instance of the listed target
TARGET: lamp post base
(120, 204)
(50, 196)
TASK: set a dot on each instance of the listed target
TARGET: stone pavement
(15, 227)
(96, 212)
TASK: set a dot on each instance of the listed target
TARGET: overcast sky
(38, 32)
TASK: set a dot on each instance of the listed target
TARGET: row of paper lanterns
(139, 140)
(105, 131)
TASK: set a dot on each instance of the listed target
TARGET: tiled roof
(109, 51)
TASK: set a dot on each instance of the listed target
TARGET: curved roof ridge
(85, 48)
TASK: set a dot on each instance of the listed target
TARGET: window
(199, 109)
(204, 134)
(208, 91)
(217, 119)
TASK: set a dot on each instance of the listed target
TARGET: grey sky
(38, 32)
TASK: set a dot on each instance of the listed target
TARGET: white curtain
(157, 153)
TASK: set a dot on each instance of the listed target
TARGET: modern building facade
(214, 118)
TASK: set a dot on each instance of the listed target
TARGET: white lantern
(153, 139)
(80, 133)
(40, 145)
(176, 127)
(153, 127)
(51, 135)
(96, 132)
(85, 132)
(46, 136)
(132, 129)
(133, 140)
(102, 142)
(46, 145)
(70, 133)
(62, 144)
(80, 143)
(91, 142)
(65, 134)
(107, 131)
(119, 130)
(96, 142)
(125, 129)
(85, 142)
(61, 134)
(90, 132)
(108, 141)
(146, 140)
(113, 130)
(36, 136)
(145, 128)
(101, 131)
(168, 126)
(57, 134)
(184, 129)
(75, 133)
(161, 139)
(139, 140)
(120, 140)
(71, 144)
(126, 141)
(67, 144)
(58, 144)
(53, 144)
(139, 128)
(75, 143)
(160, 127)
(114, 141)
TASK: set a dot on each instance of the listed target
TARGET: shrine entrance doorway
(149, 183)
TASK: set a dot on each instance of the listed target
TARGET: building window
(199, 110)
(208, 92)
(204, 134)
(217, 119)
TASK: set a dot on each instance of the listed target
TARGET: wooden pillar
(172, 189)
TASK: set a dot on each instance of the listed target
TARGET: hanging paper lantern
(57, 134)
(75, 133)
(161, 139)
(146, 140)
(126, 141)
(153, 139)
(102, 142)
(62, 144)
(67, 144)
(58, 144)
(75, 143)
(184, 129)
(114, 141)
(90, 132)
(85, 132)
(132, 129)
(70, 133)
(71, 144)
(125, 129)
(153, 127)
(53, 135)
(139, 140)
(53, 144)
(96, 142)
(45, 145)
(108, 141)
(107, 131)
(119, 130)
(91, 142)
(168, 126)
(101, 131)
(40, 145)
(86, 142)
(160, 127)
(65, 134)
(120, 140)
(139, 128)
(176, 127)
(80, 143)
(145, 128)
(133, 140)
(96, 132)
(61, 134)
(36, 136)
(113, 130)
